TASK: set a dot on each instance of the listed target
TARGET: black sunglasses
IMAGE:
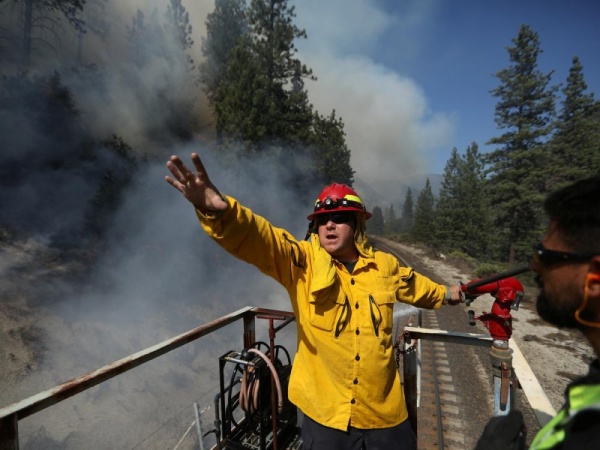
(341, 217)
(548, 257)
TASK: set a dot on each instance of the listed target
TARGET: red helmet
(338, 197)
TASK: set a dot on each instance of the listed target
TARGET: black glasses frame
(547, 257)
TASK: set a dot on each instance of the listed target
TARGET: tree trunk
(27, 30)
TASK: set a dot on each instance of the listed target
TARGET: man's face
(336, 235)
(561, 284)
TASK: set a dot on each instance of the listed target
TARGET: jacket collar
(324, 271)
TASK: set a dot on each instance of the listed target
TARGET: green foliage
(255, 83)
(330, 153)
(408, 215)
(262, 100)
(490, 205)
(525, 110)
(456, 256)
(391, 223)
(375, 225)
(462, 213)
(178, 27)
(574, 151)
(114, 181)
(448, 232)
(423, 229)
(225, 27)
(487, 269)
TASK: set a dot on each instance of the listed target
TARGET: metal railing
(10, 415)
(537, 399)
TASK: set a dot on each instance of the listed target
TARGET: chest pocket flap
(326, 307)
(381, 304)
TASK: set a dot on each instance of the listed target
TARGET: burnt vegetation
(67, 163)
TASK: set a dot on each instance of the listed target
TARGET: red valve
(507, 292)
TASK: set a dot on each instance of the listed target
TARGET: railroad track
(439, 419)
(440, 423)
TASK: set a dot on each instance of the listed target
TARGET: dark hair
(576, 211)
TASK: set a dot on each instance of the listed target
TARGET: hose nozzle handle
(471, 317)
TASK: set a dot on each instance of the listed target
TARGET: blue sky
(411, 79)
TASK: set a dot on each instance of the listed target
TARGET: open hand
(195, 187)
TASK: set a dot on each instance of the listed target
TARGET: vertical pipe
(501, 358)
(198, 426)
(249, 329)
(409, 366)
(273, 394)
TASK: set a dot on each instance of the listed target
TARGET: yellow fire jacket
(344, 371)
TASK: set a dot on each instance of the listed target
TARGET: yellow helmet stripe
(353, 198)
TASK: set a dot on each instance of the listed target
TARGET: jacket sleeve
(419, 290)
(251, 238)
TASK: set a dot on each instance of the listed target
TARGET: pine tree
(423, 229)
(462, 213)
(255, 83)
(408, 215)
(179, 29)
(263, 100)
(525, 110)
(576, 144)
(390, 221)
(331, 155)
(96, 21)
(225, 27)
(142, 34)
(39, 20)
(376, 222)
(448, 234)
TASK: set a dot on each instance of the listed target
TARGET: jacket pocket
(326, 309)
(381, 305)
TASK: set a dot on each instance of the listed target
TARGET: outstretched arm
(195, 187)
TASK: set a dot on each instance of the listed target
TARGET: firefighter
(342, 292)
(567, 264)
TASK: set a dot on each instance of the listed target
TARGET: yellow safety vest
(580, 398)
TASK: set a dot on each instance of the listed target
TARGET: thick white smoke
(159, 275)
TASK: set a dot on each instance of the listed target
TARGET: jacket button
(352, 281)
(355, 381)
(357, 331)
(357, 357)
(356, 305)
(353, 401)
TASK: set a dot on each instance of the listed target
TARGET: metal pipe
(198, 426)
(43, 400)
(498, 276)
